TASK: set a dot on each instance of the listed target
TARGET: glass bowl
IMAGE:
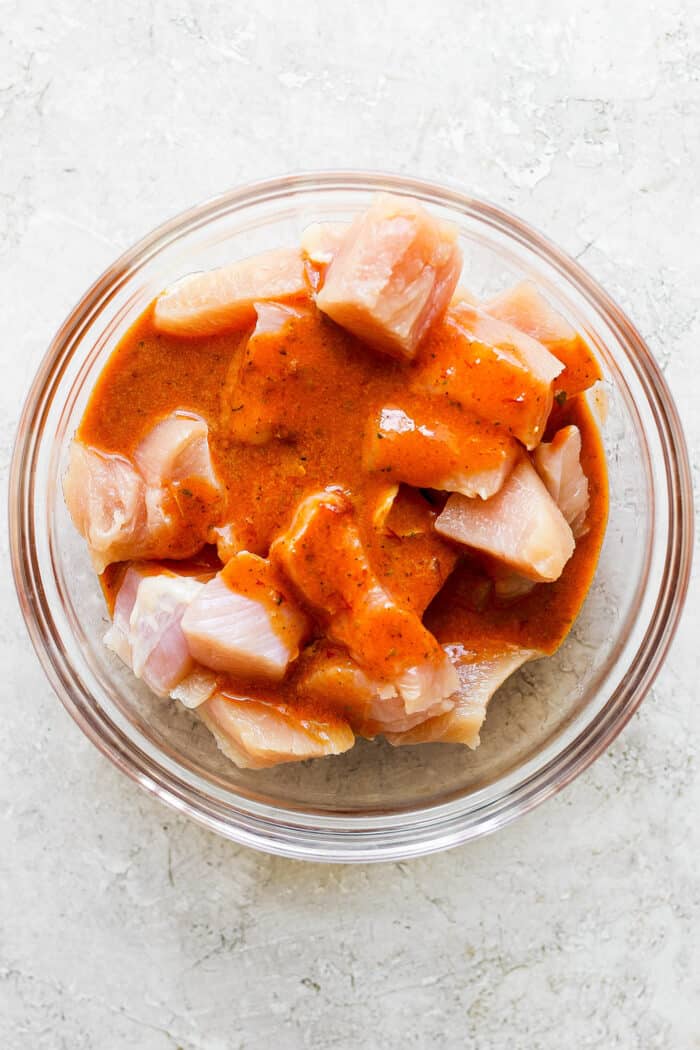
(375, 802)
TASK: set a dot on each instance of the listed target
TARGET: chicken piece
(106, 499)
(323, 556)
(206, 303)
(406, 554)
(255, 733)
(558, 463)
(479, 678)
(146, 629)
(260, 401)
(224, 538)
(491, 369)
(197, 687)
(176, 452)
(369, 705)
(161, 510)
(118, 637)
(521, 525)
(393, 275)
(320, 243)
(451, 453)
(383, 502)
(509, 586)
(526, 308)
(243, 623)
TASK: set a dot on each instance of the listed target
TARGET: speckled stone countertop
(123, 925)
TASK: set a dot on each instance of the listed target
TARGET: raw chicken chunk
(558, 463)
(492, 370)
(255, 733)
(370, 705)
(146, 630)
(162, 509)
(226, 541)
(320, 243)
(521, 525)
(243, 623)
(175, 451)
(526, 308)
(261, 399)
(324, 558)
(206, 303)
(479, 678)
(393, 275)
(195, 688)
(106, 499)
(457, 454)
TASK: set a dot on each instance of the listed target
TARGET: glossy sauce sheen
(288, 415)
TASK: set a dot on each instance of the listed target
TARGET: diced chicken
(159, 652)
(455, 454)
(370, 706)
(118, 637)
(479, 678)
(526, 308)
(558, 463)
(259, 397)
(384, 501)
(323, 556)
(255, 733)
(146, 630)
(406, 554)
(195, 688)
(492, 370)
(161, 510)
(243, 623)
(225, 540)
(510, 586)
(320, 243)
(206, 303)
(521, 525)
(393, 275)
(176, 451)
(106, 500)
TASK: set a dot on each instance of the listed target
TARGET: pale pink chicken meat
(323, 557)
(175, 450)
(558, 463)
(462, 455)
(320, 243)
(255, 733)
(392, 275)
(479, 678)
(492, 369)
(521, 526)
(524, 307)
(243, 623)
(196, 687)
(211, 302)
(370, 705)
(106, 499)
(146, 631)
(134, 511)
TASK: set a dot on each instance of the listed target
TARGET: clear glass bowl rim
(332, 838)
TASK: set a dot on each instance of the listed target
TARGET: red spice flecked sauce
(288, 415)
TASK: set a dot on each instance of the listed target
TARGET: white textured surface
(122, 925)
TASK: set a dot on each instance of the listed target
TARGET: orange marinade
(288, 414)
